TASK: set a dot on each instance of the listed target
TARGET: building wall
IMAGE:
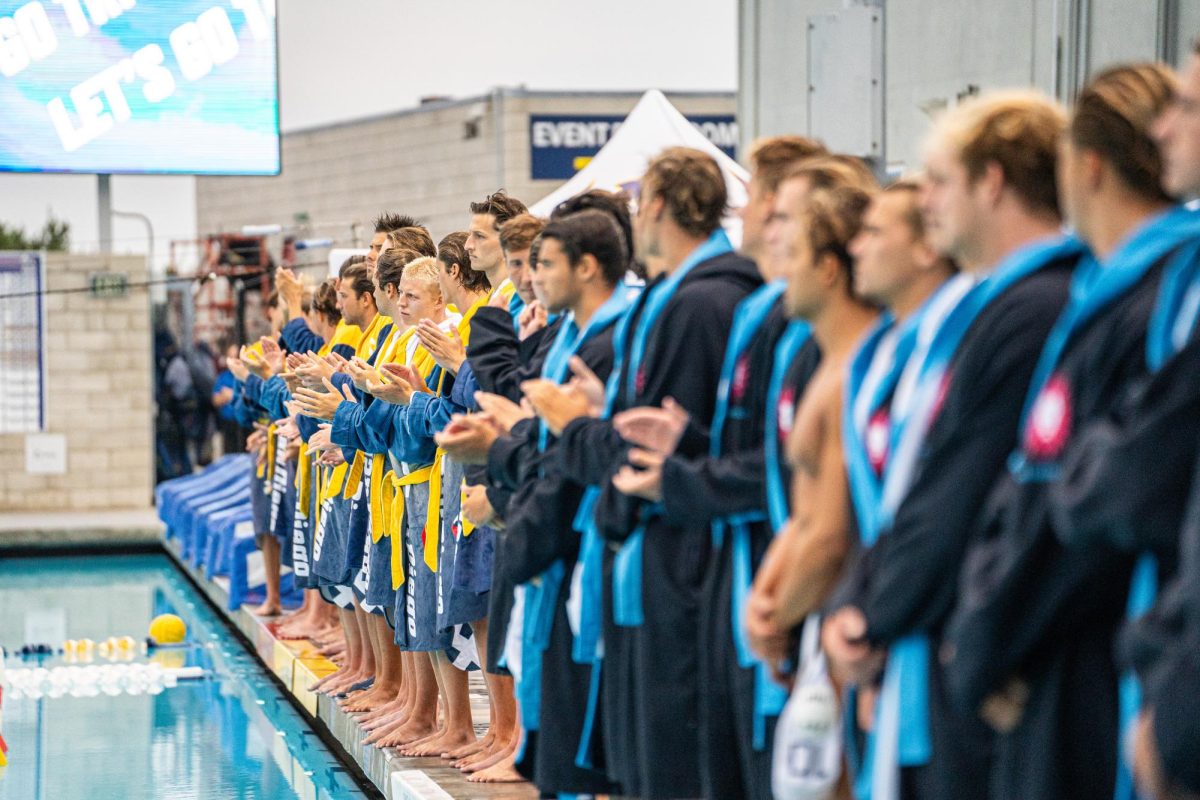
(99, 394)
(417, 162)
(936, 50)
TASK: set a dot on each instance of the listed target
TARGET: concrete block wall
(99, 394)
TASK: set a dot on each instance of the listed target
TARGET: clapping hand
(557, 405)
(642, 476)
(532, 319)
(447, 349)
(468, 437)
(323, 405)
(655, 429)
(362, 373)
(272, 354)
(502, 411)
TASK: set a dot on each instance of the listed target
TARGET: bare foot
(447, 740)
(468, 750)
(381, 712)
(370, 700)
(503, 772)
(496, 756)
(410, 748)
(385, 729)
(332, 649)
(328, 679)
(344, 683)
(408, 733)
(267, 609)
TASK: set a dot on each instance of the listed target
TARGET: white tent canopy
(653, 125)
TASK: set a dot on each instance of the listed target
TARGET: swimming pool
(230, 735)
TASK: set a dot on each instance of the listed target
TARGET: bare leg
(366, 665)
(504, 770)
(354, 647)
(503, 708)
(271, 606)
(422, 721)
(389, 676)
(459, 729)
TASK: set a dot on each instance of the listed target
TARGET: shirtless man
(811, 233)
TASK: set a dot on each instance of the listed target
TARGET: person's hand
(313, 370)
(1148, 771)
(321, 439)
(851, 657)
(1003, 710)
(557, 405)
(468, 437)
(287, 428)
(401, 383)
(642, 476)
(447, 350)
(504, 412)
(295, 360)
(588, 383)
(291, 291)
(655, 429)
(272, 354)
(476, 507)
(238, 368)
(768, 637)
(291, 380)
(362, 373)
(532, 319)
(255, 363)
(336, 361)
(256, 440)
(222, 398)
(332, 458)
(498, 301)
(323, 405)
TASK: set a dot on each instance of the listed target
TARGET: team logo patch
(878, 439)
(456, 528)
(785, 414)
(741, 379)
(1050, 420)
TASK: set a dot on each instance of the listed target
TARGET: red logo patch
(785, 414)
(878, 439)
(1050, 420)
(741, 379)
(639, 381)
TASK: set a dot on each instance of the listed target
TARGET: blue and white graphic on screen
(183, 86)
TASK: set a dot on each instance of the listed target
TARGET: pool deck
(297, 665)
(80, 528)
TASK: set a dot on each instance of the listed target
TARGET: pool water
(229, 735)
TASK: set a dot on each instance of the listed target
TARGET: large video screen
(121, 86)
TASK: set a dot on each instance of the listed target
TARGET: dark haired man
(578, 274)
(384, 224)
(725, 488)
(670, 344)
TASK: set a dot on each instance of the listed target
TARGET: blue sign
(560, 146)
(182, 86)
